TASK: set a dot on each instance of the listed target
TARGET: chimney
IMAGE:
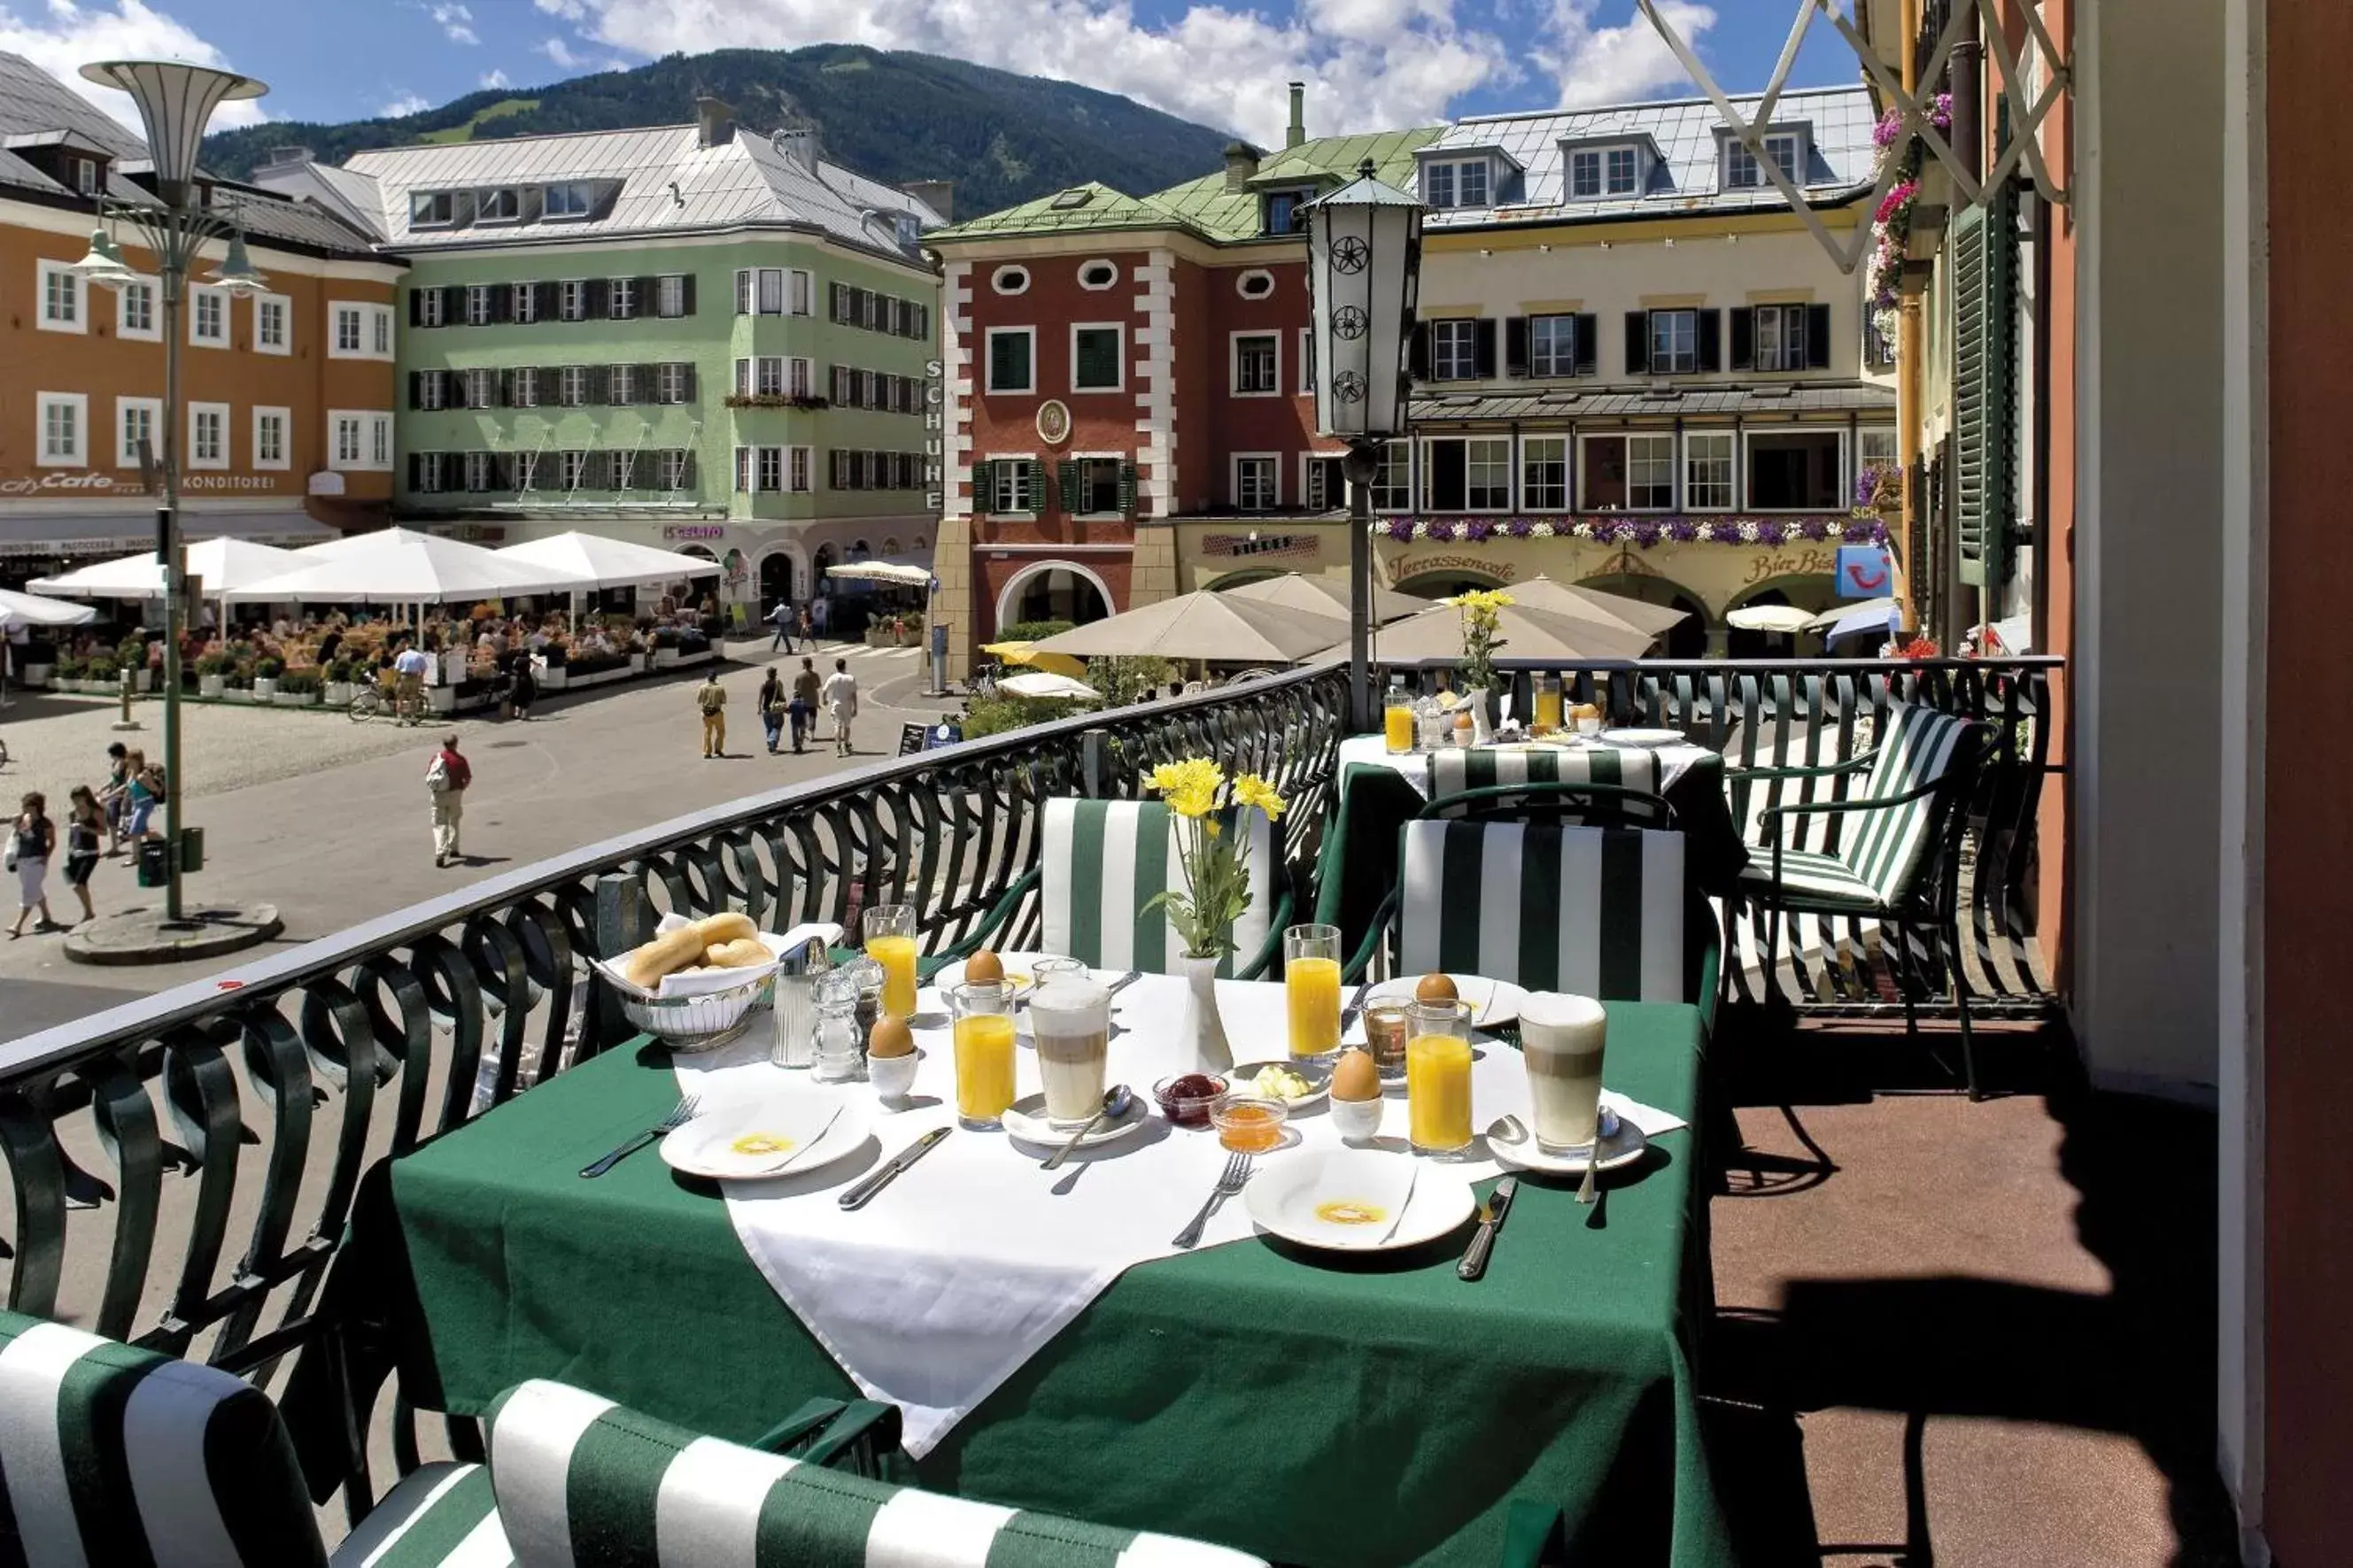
(797, 142)
(1298, 131)
(1241, 164)
(285, 156)
(938, 194)
(714, 121)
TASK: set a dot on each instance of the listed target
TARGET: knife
(1499, 1204)
(1356, 1005)
(858, 1196)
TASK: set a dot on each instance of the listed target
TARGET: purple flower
(1683, 530)
(1518, 528)
(1815, 529)
(1401, 529)
(1866, 533)
(1770, 532)
(1477, 528)
(1645, 533)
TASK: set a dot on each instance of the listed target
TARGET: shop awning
(119, 533)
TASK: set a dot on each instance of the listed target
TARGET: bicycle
(377, 698)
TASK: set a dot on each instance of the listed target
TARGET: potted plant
(300, 688)
(101, 676)
(666, 646)
(67, 673)
(211, 672)
(131, 654)
(339, 683)
(1482, 616)
(266, 671)
(37, 659)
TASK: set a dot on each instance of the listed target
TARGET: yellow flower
(1213, 827)
(1251, 790)
(1481, 601)
(1193, 802)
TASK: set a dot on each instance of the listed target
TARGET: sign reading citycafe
(81, 482)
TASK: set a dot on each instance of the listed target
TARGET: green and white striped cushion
(1456, 769)
(1818, 877)
(1599, 912)
(116, 1457)
(440, 1516)
(1884, 848)
(1102, 860)
(584, 1483)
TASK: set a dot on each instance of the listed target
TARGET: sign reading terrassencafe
(1713, 572)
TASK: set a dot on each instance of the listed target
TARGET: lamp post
(1364, 271)
(175, 103)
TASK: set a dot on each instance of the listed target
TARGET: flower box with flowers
(1642, 531)
(776, 400)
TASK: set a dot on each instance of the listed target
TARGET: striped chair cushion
(1816, 877)
(1884, 847)
(439, 1516)
(1102, 860)
(1600, 911)
(117, 1457)
(1456, 769)
(584, 1483)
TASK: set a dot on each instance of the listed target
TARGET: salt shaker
(795, 1045)
(840, 1043)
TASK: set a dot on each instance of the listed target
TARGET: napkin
(1649, 1118)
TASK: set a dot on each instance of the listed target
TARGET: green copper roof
(1204, 205)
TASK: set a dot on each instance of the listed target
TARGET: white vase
(211, 685)
(1202, 1021)
(1482, 725)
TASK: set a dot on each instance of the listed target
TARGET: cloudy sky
(1369, 63)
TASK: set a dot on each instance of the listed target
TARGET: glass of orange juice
(890, 943)
(983, 1011)
(1547, 716)
(1438, 1078)
(1311, 988)
(1396, 723)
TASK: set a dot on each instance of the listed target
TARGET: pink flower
(1896, 200)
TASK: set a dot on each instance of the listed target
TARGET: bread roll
(726, 928)
(739, 954)
(666, 954)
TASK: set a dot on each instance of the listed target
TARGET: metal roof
(667, 182)
(1623, 402)
(1686, 133)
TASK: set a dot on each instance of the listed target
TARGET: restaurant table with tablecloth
(1317, 1409)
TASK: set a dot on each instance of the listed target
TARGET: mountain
(893, 116)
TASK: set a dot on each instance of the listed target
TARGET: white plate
(1317, 1074)
(1026, 1119)
(1017, 970)
(1642, 737)
(1283, 1198)
(1493, 1002)
(1622, 1144)
(701, 1148)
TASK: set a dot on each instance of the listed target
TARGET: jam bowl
(1186, 1099)
(1248, 1123)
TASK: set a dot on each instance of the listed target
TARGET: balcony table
(1352, 1412)
(1379, 792)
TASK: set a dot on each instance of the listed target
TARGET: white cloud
(456, 23)
(408, 103)
(569, 10)
(66, 35)
(496, 79)
(1614, 65)
(556, 50)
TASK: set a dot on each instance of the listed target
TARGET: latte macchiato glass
(1561, 1041)
(1070, 1019)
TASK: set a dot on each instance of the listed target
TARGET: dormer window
(1286, 211)
(1594, 173)
(570, 198)
(1741, 171)
(432, 209)
(85, 170)
(1463, 184)
(504, 205)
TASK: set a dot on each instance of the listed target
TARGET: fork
(678, 1117)
(1230, 1181)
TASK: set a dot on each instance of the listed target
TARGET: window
(85, 172)
(269, 426)
(379, 429)
(481, 471)
(620, 388)
(762, 377)
(208, 434)
(1393, 485)
(1796, 470)
(1707, 470)
(1623, 172)
(432, 209)
(380, 331)
(425, 469)
(134, 312)
(522, 388)
(271, 313)
(1257, 483)
(64, 425)
(1552, 345)
(799, 380)
(1674, 343)
(523, 303)
(504, 205)
(1455, 184)
(428, 389)
(137, 420)
(803, 292)
(350, 331)
(621, 299)
(1094, 357)
(621, 469)
(1781, 337)
(669, 294)
(1597, 171)
(1010, 281)
(1258, 370)
(477, 305)
(572, 301)
(1255, 284)
(1286, 211)
(1321, 485)
(569, 198)
(798, 468)
(1012, 485)
(675, 383)
(1454, 350)
(1740, 167)
(1627, 473)
(207, 316)
(1011, 350)
(1467, 474)
(770, 472)
(1090, 487)
(1097, 275)
(1543, 473)
(572, 383)
(425, 307)
(1876, 444)
(571, 469)
(345, 451)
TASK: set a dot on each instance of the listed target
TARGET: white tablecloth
(969, 1262)
(1372, 751)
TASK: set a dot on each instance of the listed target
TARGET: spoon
(1114, 1105)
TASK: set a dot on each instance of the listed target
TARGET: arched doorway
(1443, 585)
(1053, 591)
(775, 578)
(1687, 638)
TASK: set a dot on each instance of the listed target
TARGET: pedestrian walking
(806, 687)
(772, 705)
(808, 630)
(115, 795)
(31, 838)
(840, 694)
(783, 619)
(84, 822)
(711, 699)
(526, 687)
(821, 614)
(446, 778)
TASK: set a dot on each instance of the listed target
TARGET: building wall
(1283, 424)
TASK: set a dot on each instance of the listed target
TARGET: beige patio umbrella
(1320, 596)
(1523, 633)
(1204, 624)
(1569, 599)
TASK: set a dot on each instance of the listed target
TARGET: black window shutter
(453, 389)
(1483, 333)
(453, 305)
(547, 299)
(1744, 337)
(415, 307)
(686, 295)
(686, 389)
(1066, 485)
(1818, 337)
(980, 491)
(1638, 342)
(416, 379)
(1710, 339)
(649, 296)
(600, 383)
(1416, 353)
(1515, 346)
(416, 470)
(1588, 343)
(1128, 488)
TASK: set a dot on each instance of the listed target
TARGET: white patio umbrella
(221, 564)
(32, 610)
(1321, 595)
(1875, 610)
(1046, 683)
(1770, 618)
(402, 567)
(884, 572)
(601, 563)
(1203, 625)
(1590, 603)
(1523, 633)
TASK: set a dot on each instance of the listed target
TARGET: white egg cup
(893, 1076)
(1356, 1120)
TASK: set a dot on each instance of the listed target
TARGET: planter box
(211, 685)
(576, 682)
(666, 658)
(339, 694)
(265, 687)
(441, 698)
(238, 694)
(295, 698)
(688, 661)
(555, 677)
(39, 674)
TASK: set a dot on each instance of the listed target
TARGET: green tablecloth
(1357, 865)
(1356, 1415)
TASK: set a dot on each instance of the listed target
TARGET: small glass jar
(1437, 727)
(1388, 1027)
(839, 1047)
(795, 1006)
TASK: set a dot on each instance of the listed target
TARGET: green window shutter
(1066, 485)
(1127, 490)
(1985, 387)
(983, 482)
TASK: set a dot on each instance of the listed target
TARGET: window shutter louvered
(415, 380)
(1638, 342)
(1588, 343)
(1984, 388)
(1482, 337)
(453, 304)
(1818, 337)
(1744, 337)
(686, 295)
(416, 470)
(686, 382)
(982, 490)
(1065, 486)
(1515, 346)
(1711, 339)
(415, 307)
(1416, 353)
(1127, 490)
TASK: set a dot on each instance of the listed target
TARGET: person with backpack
(446, 778)
(771, 704)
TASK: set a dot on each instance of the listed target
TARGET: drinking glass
(1311, 986)
(983, 1033)
(890, 943)
(1396, 723)
(1388, 1027)
(1041, 970)
(1561, 1041)
(1438, 1078)
(1547, 716)
(1069, 1020)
